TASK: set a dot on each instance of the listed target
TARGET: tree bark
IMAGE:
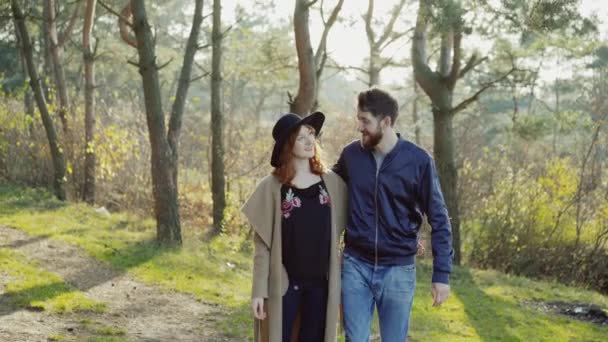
(377, 44)
(218, 186)
(177, 109)
(56, 154)
(305, 99)
(415, 116)
(47, 77)
(443, 150)
(166, 206)
(56, 51)
(88, 192)
(321, 53)
(28, 102)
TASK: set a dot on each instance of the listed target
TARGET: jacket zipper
(376, 208)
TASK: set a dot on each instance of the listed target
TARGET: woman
(298, 214)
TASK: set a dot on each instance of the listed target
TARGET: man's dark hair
(380, 103)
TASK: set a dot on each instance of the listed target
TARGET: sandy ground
(144, 312)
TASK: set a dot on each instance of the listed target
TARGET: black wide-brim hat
(286, 125)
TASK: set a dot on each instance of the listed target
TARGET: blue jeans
(389, 288)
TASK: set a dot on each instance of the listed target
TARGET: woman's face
(304, 147)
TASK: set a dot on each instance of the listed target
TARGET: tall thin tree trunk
(443, 150)
(305, 99)
(28, 102)
(415, 115)
(378, 44)
(166, 206)
(88, 192)
(47, 75)
(58, 72)
(373, 68)
(218, 187)
(57, 155)
(320, 56)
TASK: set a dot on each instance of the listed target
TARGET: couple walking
(377, 194)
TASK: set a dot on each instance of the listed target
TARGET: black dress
(305, 248)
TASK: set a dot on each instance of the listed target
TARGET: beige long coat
(263, 209)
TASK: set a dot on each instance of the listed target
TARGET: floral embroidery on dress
(323, 196)
(291, 201)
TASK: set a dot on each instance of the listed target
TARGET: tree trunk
(88, 192)
(415, 115)
(306, 97)
(217, 122)
(321, 53)
(164, 189)
(443, 140)
(378, 44)
(58, 72)
(28, 102)
(57, 155)
(373, 68)
(47, 76)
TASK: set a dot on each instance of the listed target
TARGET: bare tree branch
(473, 62)
(455, 70)
(124, 24)
(120, 16)
(462, 105)
(165, 64)
(391, 24)
(327, 26)
(67, 32)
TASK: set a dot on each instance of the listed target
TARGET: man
(392, 184)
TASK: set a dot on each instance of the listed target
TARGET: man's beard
(371, 140)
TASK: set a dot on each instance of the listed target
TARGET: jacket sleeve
(435, 209)
(261, 268)
(340, 167)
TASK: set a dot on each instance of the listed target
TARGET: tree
(28, 101)
(56, 44)
(217, 121)
(439, 86)
(377, 44)
(88, 192)
(164, 144)
(310, 66)
(56, 153)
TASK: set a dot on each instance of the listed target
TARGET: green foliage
(529, 224)
(11, 75)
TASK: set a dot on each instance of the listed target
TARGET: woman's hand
(257, 304)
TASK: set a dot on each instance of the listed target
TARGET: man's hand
(257, 304)
(440, 293)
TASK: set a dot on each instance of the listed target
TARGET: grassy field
(485, 305)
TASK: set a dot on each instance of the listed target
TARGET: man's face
(371, 129)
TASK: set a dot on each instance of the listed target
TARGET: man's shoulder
(352, 146)
(414, 151)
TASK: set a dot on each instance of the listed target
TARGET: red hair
(285, 172)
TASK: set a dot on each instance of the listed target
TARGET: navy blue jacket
(386, 211)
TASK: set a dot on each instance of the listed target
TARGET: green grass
(485, 305)
(36, 289)
(216, 272)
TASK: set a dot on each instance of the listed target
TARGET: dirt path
(143, 312)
